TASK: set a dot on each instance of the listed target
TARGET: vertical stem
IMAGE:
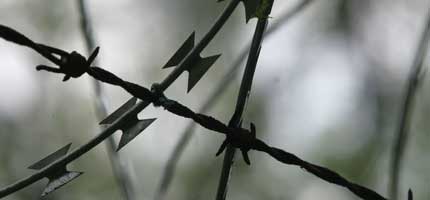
(121, 175)
(406, 110)
(244, 92)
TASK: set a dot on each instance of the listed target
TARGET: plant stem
(122, 176)
(244, 92)
(406, 110)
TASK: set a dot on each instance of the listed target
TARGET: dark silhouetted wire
(169, 170)
(16, 37)
(74, 65)
(242, 99)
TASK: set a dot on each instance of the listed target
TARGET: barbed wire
(238, 137)
(122, 176)
(74, 65)
(186, 135)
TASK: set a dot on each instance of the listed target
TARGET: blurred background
(328, 88)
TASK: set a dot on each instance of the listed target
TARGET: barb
(74, 64)
(190, 58)
(169, 170)
(13, 36)
(410, 195)
(401, 137)
(244, 92)
(57, 177)
(236, 136)
(251, 8)
(197, 67)
(122, 176)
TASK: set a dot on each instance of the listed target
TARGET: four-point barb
(72, 64)
(242, 139)
(132, 126)
(58, 177)
(197, 67)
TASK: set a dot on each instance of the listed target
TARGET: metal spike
(251, 7)
(59, 176)
(50, 158)
(183, 51)
(59, 181)
(132, 129)
(222, 147)
(120, 111)
(246, 157)
(410, 195)
(199, 68)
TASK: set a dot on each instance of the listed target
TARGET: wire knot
(158, 98)
(71, 64)
(74, 64)
(242, 139)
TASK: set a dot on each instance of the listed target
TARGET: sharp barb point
(182, 52)
(93, 55)
(246, 157)
(133, 131)
(120, 111)
(66, 77)
(251, 7)
(198, 70)
(410, 195)
(59, 181)
(50, 158)
(221, 148)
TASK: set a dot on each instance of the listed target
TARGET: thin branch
(406, 110)
(11, 35)
(244, 92)
(169, 170)
(122, 176)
